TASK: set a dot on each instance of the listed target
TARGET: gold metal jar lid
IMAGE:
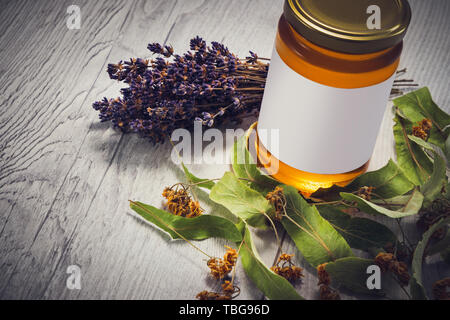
(350, 26)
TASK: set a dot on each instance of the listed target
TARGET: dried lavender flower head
(207, 84)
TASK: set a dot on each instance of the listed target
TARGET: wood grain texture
(65, 179)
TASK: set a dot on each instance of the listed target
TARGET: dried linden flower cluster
(180, 203)
(325, 290)
(278, 201)
(388, 262)
(287, 269)
(220, 269)
(441, 289)
(422, 130)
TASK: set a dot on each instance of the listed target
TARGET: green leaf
(424, 144)
(360, 233)
(203, 183)
(447, 149)
(412, 207)
(447, 192)
(414, 107)
(432, 189)
(415, 163)
(416, 286)
(272, 285)
(241, 200)
(244, 166)
(389, 181)
(199, 228)
(314, 236)
(418, 105)
(351, 273)
(393, 202)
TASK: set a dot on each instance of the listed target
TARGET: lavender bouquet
(210, 85)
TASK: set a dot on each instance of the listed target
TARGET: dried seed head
(227, 287)
(400, 269)
(417, 131)
(230, 256)
(278, 200)
(195, 209)
(180, 203)
(324, 277)
(384, 260)
(291, 273)
(285, 257)
(440, 289)
(220, 268)
(287, 269)
(230, 292)
(327, 293)
(426, 124)
(206, 295)
(388, 262)
(366, 192)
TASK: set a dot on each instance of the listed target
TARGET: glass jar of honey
(329, 81)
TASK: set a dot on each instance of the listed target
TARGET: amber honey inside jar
(329, 81)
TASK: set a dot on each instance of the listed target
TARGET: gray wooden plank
(49, 71)
(65, 179)
(427, 48)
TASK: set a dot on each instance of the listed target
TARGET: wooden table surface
(65, 178)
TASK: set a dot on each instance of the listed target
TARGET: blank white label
(322, 129)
